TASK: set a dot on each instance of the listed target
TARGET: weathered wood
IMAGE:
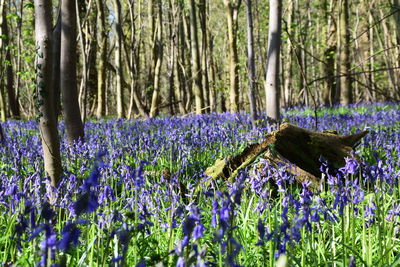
(297, 148)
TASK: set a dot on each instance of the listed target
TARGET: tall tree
(3, 104)
(251, 63)
(102, 60)
(9, 69)
(232, 10)
(44, 94)
(272, 90)
(118, 60)
(158, 47)
(196, 65)
(56, 63)
(344, 81)
(72, 114)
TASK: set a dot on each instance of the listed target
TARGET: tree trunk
(251, 64)
(56, 64)
(344, 82)
(196, 65)
(272, 90)
(157, 62)
(44, 94)
(68, 58)
(204, 53)
(102, 61)
(3, 18)
(12, 100)
(118, 60)
(232, 10)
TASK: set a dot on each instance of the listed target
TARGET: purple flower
(69, 236)
(86, 203)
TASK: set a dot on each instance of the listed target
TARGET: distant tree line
(146, 57)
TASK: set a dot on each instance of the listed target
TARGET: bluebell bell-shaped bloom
(86, 203)
(70, 235)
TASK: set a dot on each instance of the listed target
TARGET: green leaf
(41, 84)
(30, 5)
(42, 93)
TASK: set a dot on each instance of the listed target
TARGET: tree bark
(3, 105)
(68, 58)
(157, 63)
(272, 88)
(102, 61)
(44, 94)
(344, 82)
(232, 10)
(56, 64)
(12, 100)
(118, 60)
(251, 64)
(196, 65)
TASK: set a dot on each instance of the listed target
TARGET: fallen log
(298, 148)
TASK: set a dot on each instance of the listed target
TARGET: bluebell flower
(69, 236)
(86, 203)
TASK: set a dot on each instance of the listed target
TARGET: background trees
(145, 57)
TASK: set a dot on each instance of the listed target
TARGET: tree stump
(299, 149)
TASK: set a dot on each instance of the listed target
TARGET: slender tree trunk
(287, 68)
(232, 10)
(204, 52)
(47, 119)
(102, 61)
(72, 114)
(157, 63)
(344, 82)
(328, 66)
(118, 60)
(12, 100)
(251, 64)
(272, 90)
(56, 63)
(3, 105)
(196, 65)
(134, 61)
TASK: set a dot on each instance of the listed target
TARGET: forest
(199, 133)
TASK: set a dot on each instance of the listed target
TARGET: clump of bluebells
(135, 194)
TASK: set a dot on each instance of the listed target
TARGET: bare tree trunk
(328, 66)
(72, 114)
(12, 100)
(3, 18)
(134, 61)
(204, 53)
(272, 90)
(44, 94)
(157, 61)
(56, 63)
(196, 66)
(251, 64)
(102, 61)
(344, 82)
(118, 60)
(287, 68)
(232, 10)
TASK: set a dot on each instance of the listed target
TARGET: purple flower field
(134, 194)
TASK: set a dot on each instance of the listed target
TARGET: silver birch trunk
(47, 119)
(272, 90)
